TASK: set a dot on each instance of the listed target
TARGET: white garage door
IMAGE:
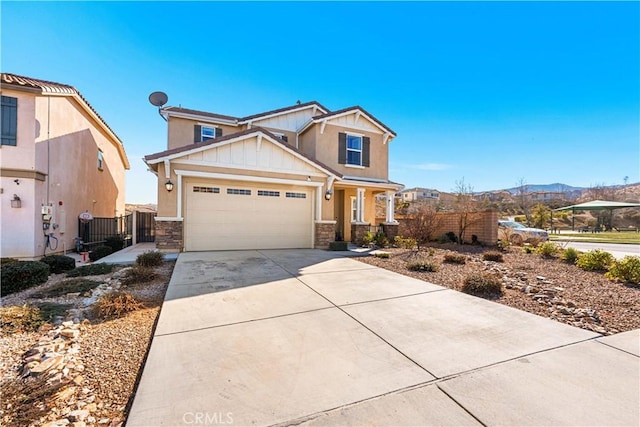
(247, 216)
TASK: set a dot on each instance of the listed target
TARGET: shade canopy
(598, 205)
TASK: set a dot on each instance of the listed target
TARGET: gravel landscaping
(78, 369)
(547, 287)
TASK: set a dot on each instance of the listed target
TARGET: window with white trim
(354, 209)
(100, 160)
(9, 120)
(354, 150)
(207, 133)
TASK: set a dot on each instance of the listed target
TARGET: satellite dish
(158, 99)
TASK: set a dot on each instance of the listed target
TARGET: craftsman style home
(296, 177)
(58, 159)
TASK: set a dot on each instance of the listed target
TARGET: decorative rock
(46, 365)
(78, 415)
(80, 424)
(65, 394)
(57, 423)
(103, 421)
(67, 324)
(78, 380)
(70, 333)
(91, 407)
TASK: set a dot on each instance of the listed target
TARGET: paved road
(304, 337)
(618, 250)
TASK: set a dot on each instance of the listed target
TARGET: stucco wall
(57, 138)
(180, 131)
(326, 151)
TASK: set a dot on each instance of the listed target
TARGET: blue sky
(489, 92)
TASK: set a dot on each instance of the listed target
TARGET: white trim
(251, 168)
(280, 113)
(179, 204)
(168, 218)
(167, 169)
(360, 223)
(319, 197)
(364, 179)
(361, 135)
(347, 165)
(370, 184)
(248, 178)
(348, 126)
(322, 126)
(200, 147)
(326, 221)
(198, 117)
(362, 114)
(391, 223)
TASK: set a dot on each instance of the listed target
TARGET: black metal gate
(98, 230)
(145, 226)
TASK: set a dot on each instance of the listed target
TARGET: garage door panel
(222, 221)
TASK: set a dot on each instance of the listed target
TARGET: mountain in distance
(555, 187)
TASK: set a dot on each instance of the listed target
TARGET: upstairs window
(353, 150)
(281, 136)
(202, 133)
(100, 160)
(9, 115)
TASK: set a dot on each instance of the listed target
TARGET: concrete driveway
(289, 337)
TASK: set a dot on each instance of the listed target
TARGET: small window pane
(354, 157)
(354, 142)
(208, 133)
(238, 191)
(268, 193)
(293, 195)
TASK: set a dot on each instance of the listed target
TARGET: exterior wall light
(327, 195)
(168, 185)
(16, 202)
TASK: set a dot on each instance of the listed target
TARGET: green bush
(528, 249)
(139, 274)
(8, 260)
(570, 255)
(150, 259)
(405, 242)
(17, 276)
(547, 249)
(493, 256)
(381, 240)
(449, 237)
(116, 243)
(627, 270)
(423, 265)
(100, 252)
(595, 260)
(59, 263)
(91, 270)
(68, 286)
(384, 255)
(482, 284)
(368, 238)
(455, 258)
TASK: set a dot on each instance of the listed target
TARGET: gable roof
(353, 109)
(45, 87)
(285, 110)
(179, 151)
(201, 113)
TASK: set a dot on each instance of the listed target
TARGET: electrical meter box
(47, 210)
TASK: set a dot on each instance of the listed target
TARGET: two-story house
(297, 177)
(58, 159)
(419, 193)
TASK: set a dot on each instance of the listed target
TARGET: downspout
(48, 146)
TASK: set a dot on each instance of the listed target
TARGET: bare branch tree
(465, 206)
(523, 198)
(422, 223)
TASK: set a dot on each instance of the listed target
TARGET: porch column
(391, 205)
(360, 205)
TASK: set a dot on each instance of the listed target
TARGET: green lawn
(604, 237)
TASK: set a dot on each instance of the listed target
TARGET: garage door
(247, 216)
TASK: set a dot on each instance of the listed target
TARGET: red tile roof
(47, 87)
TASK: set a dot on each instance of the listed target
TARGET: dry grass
(116, 304)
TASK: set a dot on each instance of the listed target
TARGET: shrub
(384, 255)
(67, 287)
(423, 265)
(405, 242)
(100, 252)
(547, 249)
(493, 256)
(139, 274)
(49, 310)
(59, 263)
(381, 240)
(627, 270)
(482, 284)
(528, 249)
(570, 255)
(368, 238)
(150, 259)
(595, 260)
(115, 304)
(455, 258)
(20, 319)
(7, 260)
(17, 276)
(90, 270)
(422, 223)
(449, 237)
(116, 243)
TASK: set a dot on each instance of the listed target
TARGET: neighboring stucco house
(419, 193)
(296, 177)
(56, 152)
